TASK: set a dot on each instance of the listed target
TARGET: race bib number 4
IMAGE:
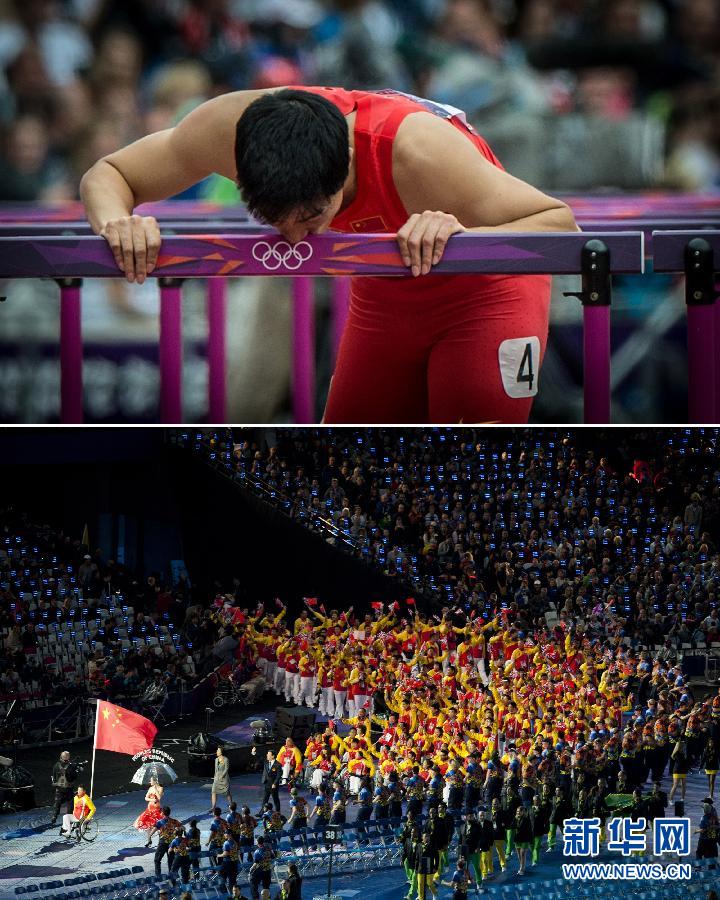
(519, 360)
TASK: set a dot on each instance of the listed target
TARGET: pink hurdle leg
(71, 352)
(702, 362)
(596, 368)
(303, 350)
(170, 350)
(716, 307)
(217, 328)
(340, 305)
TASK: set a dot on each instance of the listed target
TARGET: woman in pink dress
(147, 819)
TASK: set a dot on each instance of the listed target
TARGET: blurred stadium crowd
(541, 79)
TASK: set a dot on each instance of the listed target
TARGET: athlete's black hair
(292, 152)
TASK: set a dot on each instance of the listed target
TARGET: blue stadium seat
(137, 869)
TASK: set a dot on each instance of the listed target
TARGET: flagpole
(92, 770)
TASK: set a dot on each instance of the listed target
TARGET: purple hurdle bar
(339, 255)
(670, 254)
(204, 256)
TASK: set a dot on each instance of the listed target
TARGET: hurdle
(256, 252)
(696, 254)
(303, 311)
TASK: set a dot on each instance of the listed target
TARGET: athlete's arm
(447, 186)
(154, 168)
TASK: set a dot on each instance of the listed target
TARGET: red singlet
(458, 348)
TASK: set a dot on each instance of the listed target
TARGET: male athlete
(460, 348)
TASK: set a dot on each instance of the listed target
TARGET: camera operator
(64, 776)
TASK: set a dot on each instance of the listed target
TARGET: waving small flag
(311, 601)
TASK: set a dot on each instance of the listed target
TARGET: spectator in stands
(693, 513)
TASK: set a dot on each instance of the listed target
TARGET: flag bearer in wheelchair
(83, 811)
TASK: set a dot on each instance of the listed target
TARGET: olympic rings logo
(273, 256)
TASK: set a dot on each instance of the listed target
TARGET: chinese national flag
(122, 731)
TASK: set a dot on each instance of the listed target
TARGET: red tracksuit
(427, 349)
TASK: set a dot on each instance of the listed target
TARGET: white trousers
(306, 694)
(327, 702)
(356, 704)
(270, 670)
(339, 705)
(69, 821)
(279, 680)
(292, 686)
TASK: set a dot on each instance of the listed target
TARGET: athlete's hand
(423, 237)
(135, 243)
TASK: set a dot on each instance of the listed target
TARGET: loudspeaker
(201, 753)
(294, 722)
(17, 787)
(679, 808)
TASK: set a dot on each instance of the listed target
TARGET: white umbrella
(164, 773)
